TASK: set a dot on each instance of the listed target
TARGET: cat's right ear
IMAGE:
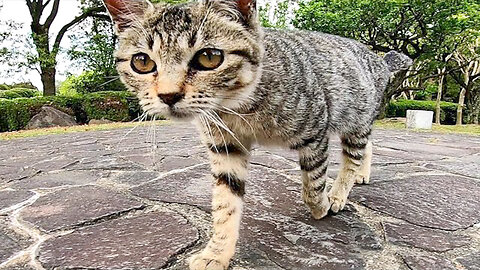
(126, 12)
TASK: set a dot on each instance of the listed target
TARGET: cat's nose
(172, 98)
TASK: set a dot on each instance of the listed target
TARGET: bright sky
(17, 11)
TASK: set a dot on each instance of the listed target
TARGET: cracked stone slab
(10, 174)
(134, 178)
(468, 166)
(470, 261)
(10, 241)
(53, 164)
(171, 163)
(148, 241)
(277, 223)
(104, 163)
(9, 198)
(424, 238)
(193, 186)
(71, 207)
(436, 201)
(428, 262)
(271, 161)
(58, 179)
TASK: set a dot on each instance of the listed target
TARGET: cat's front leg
(229, 168)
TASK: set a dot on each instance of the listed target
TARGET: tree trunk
(461, 103)
(48, 81)
(475, 109)
(438, 108)
(476, 114)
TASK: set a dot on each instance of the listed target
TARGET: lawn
(74, 129)
(385, 124)
(400, 124)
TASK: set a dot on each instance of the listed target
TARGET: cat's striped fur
(288, 88)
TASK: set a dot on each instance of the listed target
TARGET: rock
(50, 117)
(99, 122)
(419, 119)
(68, 208)
(424, 238)
(148, 241)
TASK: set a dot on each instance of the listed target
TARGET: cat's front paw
(202, 262)
(338, 198)
(318, 204)
(363, 178)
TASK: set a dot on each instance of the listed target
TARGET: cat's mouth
(176, 113)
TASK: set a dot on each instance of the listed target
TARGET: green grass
(400, 124)
(74, 129)
(385, 124)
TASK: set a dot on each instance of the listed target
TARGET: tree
(421, 30)
(280, 14)
(467, 58)
(47, 49)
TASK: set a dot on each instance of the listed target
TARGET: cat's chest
(261, 129)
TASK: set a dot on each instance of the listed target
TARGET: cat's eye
(208, 59)
(143, 64)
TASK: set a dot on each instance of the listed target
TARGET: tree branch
(53, 14)
(79, 19)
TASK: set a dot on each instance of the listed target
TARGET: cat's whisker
(209, 131)
(140, 119)
(112, 80)
(241, 117)
(227, 129)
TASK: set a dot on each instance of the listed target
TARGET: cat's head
(183, 60)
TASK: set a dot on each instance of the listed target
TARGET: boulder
(50, 117)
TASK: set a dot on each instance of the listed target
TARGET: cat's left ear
(125, 12)
(245, 10)
(248, 8)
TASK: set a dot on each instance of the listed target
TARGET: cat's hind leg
(314, 163)
(363, 176)
(356, 162)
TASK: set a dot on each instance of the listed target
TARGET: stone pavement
(116, 200)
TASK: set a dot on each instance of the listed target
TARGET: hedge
(115, 106)
(19, 93)
(399, 109)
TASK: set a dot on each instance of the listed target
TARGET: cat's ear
(248, 8)
(125, 12)
(244, 10)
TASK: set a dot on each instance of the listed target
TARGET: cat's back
(333, 55)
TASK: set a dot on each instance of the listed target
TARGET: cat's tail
(397, 61)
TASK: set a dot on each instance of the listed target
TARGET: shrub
(115, 106)
(399, 109)
(19, 93)
(107, 105)
(16, 113)
(66, 88)
(90, 82)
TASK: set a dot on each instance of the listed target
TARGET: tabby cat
(210, 61)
